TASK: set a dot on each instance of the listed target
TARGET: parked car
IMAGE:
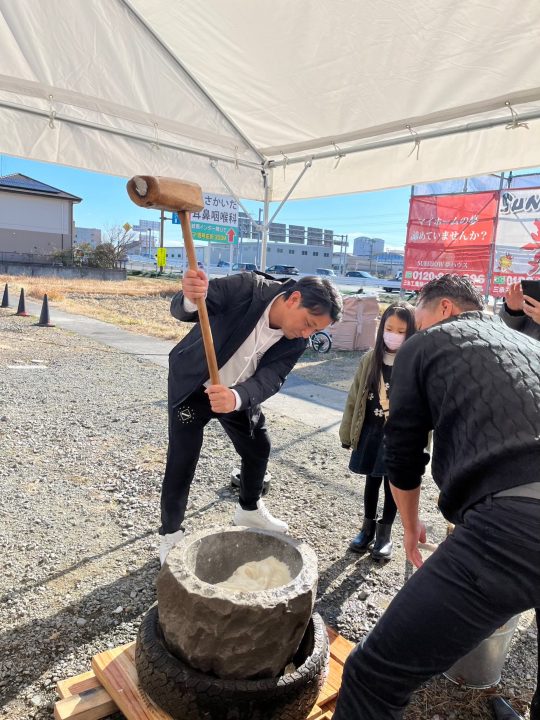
(364, 274)
(245, 267)
(282, 270)
(326, 272)
(396, 283)
(223, 264)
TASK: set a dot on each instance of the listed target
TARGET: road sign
(127, 227)
(161, 256)
(215, 233)
(217, 221)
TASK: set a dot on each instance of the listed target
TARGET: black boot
(360, 543)
(503, 710)
(383, 545)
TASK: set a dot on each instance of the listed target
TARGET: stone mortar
(235, 634)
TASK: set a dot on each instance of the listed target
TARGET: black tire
(187, 694)
(321, 342)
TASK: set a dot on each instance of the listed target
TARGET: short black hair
(457, 288)
(319, 296)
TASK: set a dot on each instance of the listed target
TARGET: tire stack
(188, 694)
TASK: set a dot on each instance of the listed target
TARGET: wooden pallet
(112, 686)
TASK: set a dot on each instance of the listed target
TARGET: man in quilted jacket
(476, 384)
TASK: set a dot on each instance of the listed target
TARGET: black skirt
(368, 458)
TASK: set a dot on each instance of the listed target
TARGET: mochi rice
(258, 575)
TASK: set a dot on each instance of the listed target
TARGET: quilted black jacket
(476, 383)
(235, 305)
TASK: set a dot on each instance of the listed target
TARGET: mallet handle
(206, 330)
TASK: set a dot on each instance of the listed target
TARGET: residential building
(35, 218)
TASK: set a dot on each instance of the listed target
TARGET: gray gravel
(83, 442)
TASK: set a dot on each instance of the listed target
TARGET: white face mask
(393, 341)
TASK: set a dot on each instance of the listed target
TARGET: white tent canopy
(245, 94)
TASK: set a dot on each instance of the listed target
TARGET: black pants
(186, 426)
(485, 572)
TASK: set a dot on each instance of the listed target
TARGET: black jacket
(235, 305)
(476, 383)
(517, 320)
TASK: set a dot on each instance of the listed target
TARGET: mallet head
(165, 193)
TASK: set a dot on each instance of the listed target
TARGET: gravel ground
(83, 442)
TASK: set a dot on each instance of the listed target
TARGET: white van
(327, 272)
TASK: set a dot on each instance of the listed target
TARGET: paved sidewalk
(314, 405)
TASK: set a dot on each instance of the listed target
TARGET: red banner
(449, 234)
(517, 243)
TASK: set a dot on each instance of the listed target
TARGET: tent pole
(266, 215)
(79, 122)
(288, 195)
(405, 139)
(213, 165)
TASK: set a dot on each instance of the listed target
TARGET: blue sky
(106, 204)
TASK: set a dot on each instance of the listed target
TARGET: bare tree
(113, 252)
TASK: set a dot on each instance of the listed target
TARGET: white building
(367, 247)
(35, 218)
(307, 258)
(90, 236)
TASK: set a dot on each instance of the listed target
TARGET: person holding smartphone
(520, 310)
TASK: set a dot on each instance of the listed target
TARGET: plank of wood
(340, 648)
(91, 704)
(335, 673)
(330, 707)
(328, 692)
(315, 713)
(115, 669)
(76, 684)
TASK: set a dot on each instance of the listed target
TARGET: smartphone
(531, 288)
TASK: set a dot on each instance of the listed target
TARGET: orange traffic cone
(5, 297)
(21, 309)
(44, 319)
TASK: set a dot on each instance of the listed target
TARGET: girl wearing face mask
(362, 428)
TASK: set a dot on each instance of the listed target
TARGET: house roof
(28, 186)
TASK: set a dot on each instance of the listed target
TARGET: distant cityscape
(306, 248)
(29, 227)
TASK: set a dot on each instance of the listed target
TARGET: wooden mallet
(184, 198)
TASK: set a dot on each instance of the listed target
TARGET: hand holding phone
(531, 288)
(513, 297)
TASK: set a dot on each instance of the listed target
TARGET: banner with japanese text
(217, 221)
(449, 234)
(517, 242)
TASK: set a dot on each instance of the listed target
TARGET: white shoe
(259, 518)
(167, 542)
(235, 480)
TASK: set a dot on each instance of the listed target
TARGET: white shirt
(244, 362)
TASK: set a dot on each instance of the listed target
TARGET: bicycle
(320, 341)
